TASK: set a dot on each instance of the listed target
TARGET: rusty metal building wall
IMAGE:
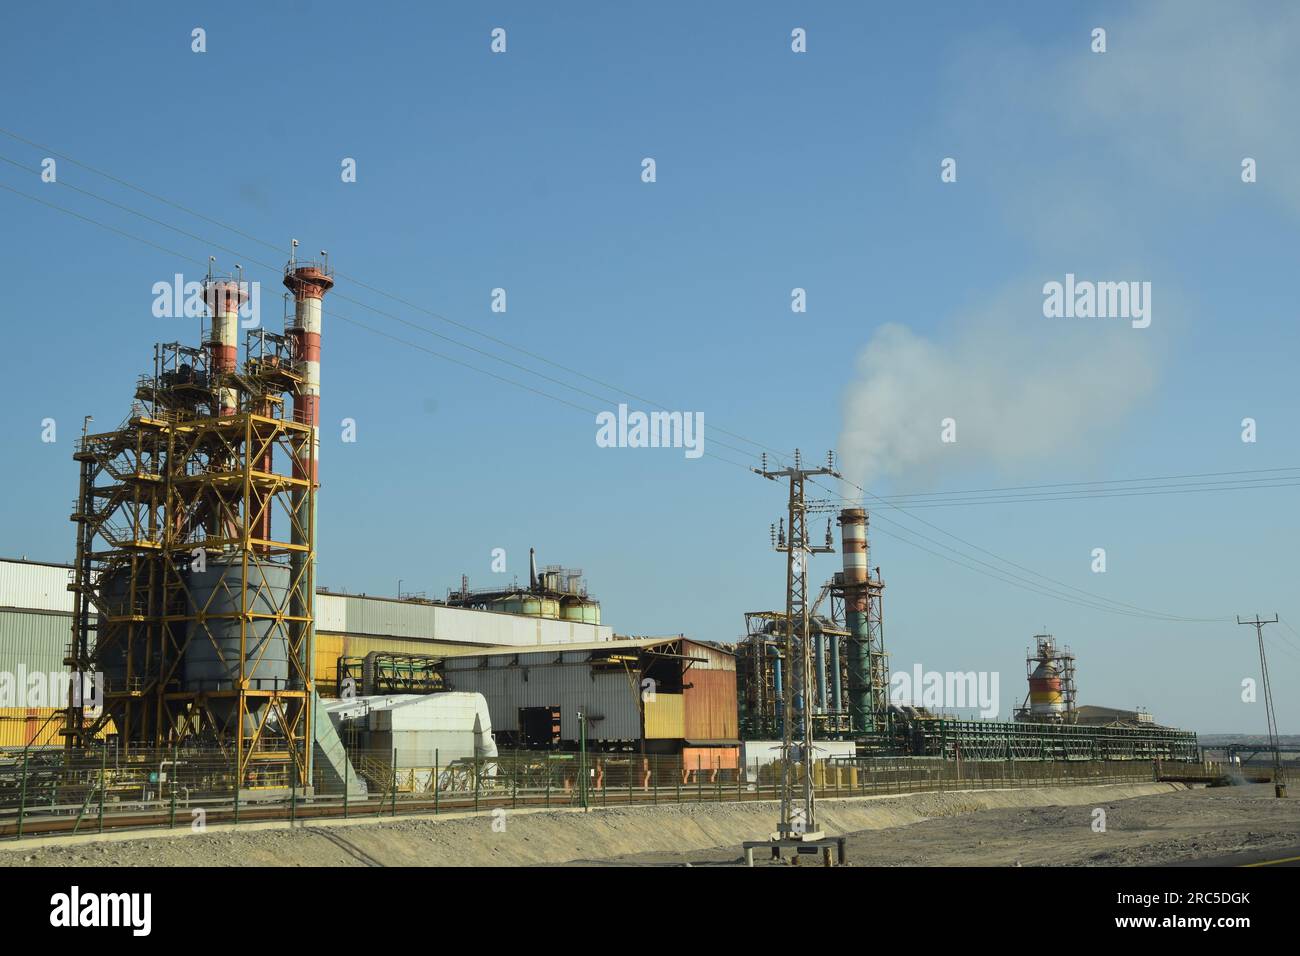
(710, 705)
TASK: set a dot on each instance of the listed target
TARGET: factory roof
(1093, 714)
(615, 645)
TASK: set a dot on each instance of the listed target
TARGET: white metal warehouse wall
(36, 619)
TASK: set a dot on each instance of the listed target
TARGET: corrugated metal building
(35, 586)
(353, 626)
(649, 695)
(36, 628)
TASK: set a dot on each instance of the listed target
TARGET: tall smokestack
(224, 296)
(853, 531)
(308, 281)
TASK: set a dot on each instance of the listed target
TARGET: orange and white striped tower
(308, 281)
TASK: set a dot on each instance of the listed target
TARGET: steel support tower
(194, 577)
(798, 800)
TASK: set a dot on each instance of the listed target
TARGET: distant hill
(1223, 740)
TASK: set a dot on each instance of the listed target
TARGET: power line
(1287, 645)
(1278, 481)
(1109, 481)
(342, 297)
(1141, 611)
(1025, 584)
(1092, 601)
(1134, 610)
(349, 278)
(186, 258)
(1006, 576)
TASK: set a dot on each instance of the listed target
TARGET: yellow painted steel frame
(178, 488)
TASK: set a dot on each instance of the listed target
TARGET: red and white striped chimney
(224, 297)
(308, 282)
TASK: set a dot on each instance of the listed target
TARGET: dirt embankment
(704, 833)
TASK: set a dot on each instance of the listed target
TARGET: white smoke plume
(1021, 391)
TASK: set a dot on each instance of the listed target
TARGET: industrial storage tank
(529, 605)
(1045, 696)
(580, 610)
(212, 656)
(114, 637)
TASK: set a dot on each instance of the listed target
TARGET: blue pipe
(835, 673)
(776, 664)
(819, 655)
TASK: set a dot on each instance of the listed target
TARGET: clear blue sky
(775, 171)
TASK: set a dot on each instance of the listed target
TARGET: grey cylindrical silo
(212, 656)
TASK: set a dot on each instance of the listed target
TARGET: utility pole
(1279, 775)
(798, 805)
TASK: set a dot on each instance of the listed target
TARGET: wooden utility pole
(1279, 774)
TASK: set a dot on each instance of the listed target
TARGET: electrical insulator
(830, 542)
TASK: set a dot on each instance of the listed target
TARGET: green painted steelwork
(1024, 740)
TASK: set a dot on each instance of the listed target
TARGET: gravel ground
(1140, 831)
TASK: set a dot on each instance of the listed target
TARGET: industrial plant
(848, 698)
(193, 602)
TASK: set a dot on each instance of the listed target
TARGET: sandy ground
(1140, 831)
(1145, 823)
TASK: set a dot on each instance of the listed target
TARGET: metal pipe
(819, 658)
(835, 674)
(776, 679)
